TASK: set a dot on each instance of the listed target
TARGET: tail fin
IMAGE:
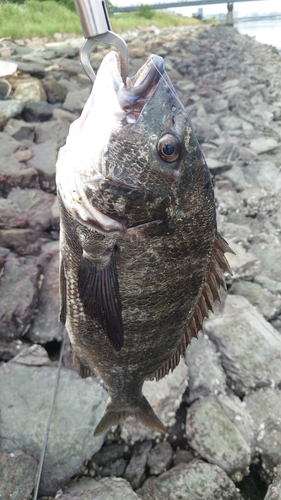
(144, 414)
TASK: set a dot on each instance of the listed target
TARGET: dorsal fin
(210, 293)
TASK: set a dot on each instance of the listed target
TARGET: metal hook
(96, 28)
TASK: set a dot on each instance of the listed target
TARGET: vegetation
(24, 19)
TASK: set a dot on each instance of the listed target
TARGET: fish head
(132, 154)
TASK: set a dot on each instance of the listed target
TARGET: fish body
(141, 258)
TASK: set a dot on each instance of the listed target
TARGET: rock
(54, 90)
(37, 111)
(18, 287)
(20, 130)
(76, 100)
(205, 372)
(105, 489)
(44, 160)
(30, 91)
(11, 215)
(182, 456)
(220, 430)
(13, 173)
(23, 155)
(165, 397)
(10, 108)
(109, 461)
(264, 174)
(160, 458)
(25, 396)
(135, 471)
(24, 241)
(236, 177)
(10, 349)
(250, 347)
(265, 408)
(264, 144)
(17, 475)
(192, 481)
(8, 145)
(265, 302)
(274, 490)
(35, 355)
(243, 263)
(37, 206)
(271, 285)
(46, 326)
(269, 254)
(55, 131)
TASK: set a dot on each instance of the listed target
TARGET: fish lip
(140, 87)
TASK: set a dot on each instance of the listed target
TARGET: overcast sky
(260, 6)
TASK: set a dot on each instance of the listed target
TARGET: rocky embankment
(222, 405)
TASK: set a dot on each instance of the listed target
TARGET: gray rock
(18, 287)
(135, 471)
(274, 490)
(192, 481)
(265, 408)
(37, 111)
(10, 108)
(37, 206)
(264, 144)
(271, 285)
(20, 130)
(30, 90)
(76, 100)
(243, 263)
(46, 326)
(10, 349)
(264, 174)
(219, 429)
(182, 456)
(16, 174)
(165, 397)
(265, 302)
(250, 347)
(206, 375)
(269, 255)
(8, 145)
(54, 90)
(25, 396)
(11, 215)
(236, 177)
(105, 489)
(33, 68)
(44, 160)
(24, 241)
(56, 131)
(17, 475)
(160, 458)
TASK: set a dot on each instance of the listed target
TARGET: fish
(141, 259)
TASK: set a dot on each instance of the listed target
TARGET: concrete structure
(229, 17)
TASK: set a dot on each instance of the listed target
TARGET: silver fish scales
(142, 261)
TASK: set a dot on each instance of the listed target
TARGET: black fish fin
(81, 369)
(63, 298)
(143, 414)
(210, 293)
(99, 291)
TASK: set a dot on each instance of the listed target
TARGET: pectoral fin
(99, 291)
(62, 313)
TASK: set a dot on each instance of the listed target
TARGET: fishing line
(42, 457)
(168, 85)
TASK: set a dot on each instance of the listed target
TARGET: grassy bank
(35, 18)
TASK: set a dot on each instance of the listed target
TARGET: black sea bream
(141, 259)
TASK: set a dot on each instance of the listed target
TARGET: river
(267, 31)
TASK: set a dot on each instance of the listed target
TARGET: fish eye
(169, 147)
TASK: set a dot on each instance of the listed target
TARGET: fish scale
(141, 259)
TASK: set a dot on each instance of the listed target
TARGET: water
(267, 31)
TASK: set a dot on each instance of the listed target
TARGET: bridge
(169, 5)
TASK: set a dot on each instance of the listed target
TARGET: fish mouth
(140, 87)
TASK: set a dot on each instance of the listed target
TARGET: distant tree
(145, 11)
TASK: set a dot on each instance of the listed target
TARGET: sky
(244, 8)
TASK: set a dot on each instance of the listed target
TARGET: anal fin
(99, 291)
(210, 293)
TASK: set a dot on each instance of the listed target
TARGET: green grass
(34, 18)
(44, 18)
